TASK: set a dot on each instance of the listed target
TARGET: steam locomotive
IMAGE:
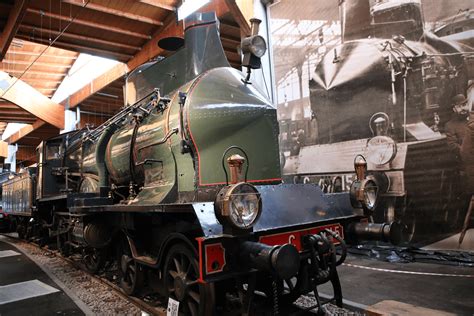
(386, 92)
(182, 188)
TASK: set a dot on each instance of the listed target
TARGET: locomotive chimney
(355, 19)
(235, 163)
(203, 45)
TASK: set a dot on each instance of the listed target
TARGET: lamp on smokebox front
(364, 192)
(238, 205)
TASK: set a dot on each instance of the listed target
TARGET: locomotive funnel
(355, 19)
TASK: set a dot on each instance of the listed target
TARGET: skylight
(11, 129)
(83, 71)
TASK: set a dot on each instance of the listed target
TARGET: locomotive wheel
(63, 247)
(131, 274)
(21, 230)
(94, 259)
(181, 274)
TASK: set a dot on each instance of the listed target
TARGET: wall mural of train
(386, 91)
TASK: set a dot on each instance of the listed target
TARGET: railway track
(143, 306)
(155, 305)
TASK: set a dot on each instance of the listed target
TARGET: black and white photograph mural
(392, 80)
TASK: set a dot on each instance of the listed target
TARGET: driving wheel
(181, 275)
(93, 259)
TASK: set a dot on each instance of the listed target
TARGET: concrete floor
(451, 243)
(25, 289)
(426, 288)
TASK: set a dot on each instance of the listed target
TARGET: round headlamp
(381, 150)
(254, 44)
(364, 193)
(238, 205)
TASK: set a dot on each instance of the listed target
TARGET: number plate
(173, 307)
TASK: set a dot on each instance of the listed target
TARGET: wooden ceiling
(123, 30)
(43, 72)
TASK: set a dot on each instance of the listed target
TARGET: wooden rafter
(238, 16)
(37, 63)
(104, 9)
(83, 22)
(158, 4)
(13, 22)
(65, 45)
(24, 131)
(35, 54)
(82, 38)
(31, 100)
(37, 72)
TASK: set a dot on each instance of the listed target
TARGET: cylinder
(97, 234)
(283, 261)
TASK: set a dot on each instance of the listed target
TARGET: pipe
(100, 158)
(392, 232)
(284, 260)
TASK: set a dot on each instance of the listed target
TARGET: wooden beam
(35, 54)
(158, 4)
(3, 149)
(41, 80)
(14, 20)
(4, 105)
(239, 17)
(37, 63)
(97, 84)
(26, 153)
(104, 9)
(36, 72)
(99, 26)
(81, 37)
(28, 98)
(24, 131)
(17, 118)
(76, 47)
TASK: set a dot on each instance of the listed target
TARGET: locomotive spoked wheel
(93, 259)
(131, 274)
(181, 282)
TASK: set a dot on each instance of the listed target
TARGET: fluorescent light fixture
(190, 6)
